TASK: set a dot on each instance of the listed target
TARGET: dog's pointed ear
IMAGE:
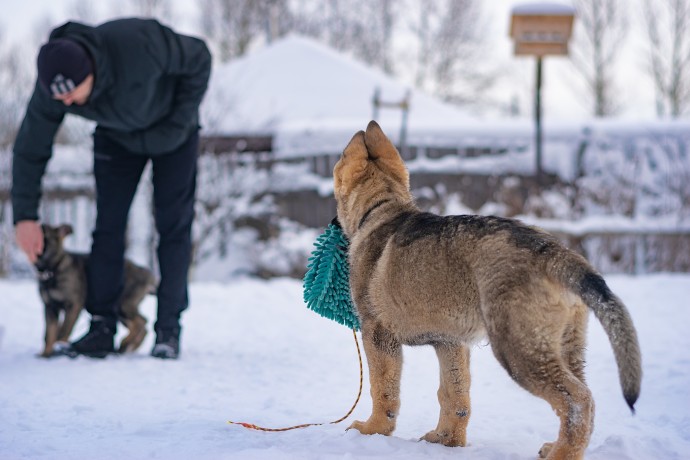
(352, 163)
(64, 230)
(384, 152)
(356, 150)
(378, 144)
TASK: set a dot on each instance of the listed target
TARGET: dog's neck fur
(47, 267)
(390, 206)
(371, 209)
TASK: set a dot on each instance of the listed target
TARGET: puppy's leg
(574, 344)
(453, 396)
(71, 315)
(132, 296)
(572, 402)
(51, 334)
(384, 357)
(137, 333)
(536, 363)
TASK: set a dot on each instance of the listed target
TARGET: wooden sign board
(541, 29)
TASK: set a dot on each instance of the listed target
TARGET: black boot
(167, 344)
(98, 342)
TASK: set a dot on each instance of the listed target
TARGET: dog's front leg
(71, 314)
(51, 316)
(384, 357)
(453, 396)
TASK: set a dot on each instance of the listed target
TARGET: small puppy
(448, 281)
(62, 285)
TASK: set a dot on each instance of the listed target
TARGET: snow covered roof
(298, 82)
(543, 8)
(312, 99)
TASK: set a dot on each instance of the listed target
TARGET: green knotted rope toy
(327, 292)
(327, 281)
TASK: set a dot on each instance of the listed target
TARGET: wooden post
(376, 102)
(403, 105)
(537, 121)
(541, 29)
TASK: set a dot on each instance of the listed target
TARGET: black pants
(117, 173)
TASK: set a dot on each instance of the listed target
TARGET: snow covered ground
(253, 352)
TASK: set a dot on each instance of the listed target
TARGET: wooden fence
(611, 251)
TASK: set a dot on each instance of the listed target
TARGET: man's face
(78, 95)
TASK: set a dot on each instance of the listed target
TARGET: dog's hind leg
(574, 340)
(453, 396)
(537, 365)
(384, 357)
(572, 402)
(132, 296)
(574, 344)
(137, 333)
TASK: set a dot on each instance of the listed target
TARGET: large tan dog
(421, 279)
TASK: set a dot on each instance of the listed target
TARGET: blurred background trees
(438, 45)
(14, 73)
(232, 27)
(448, 48)
(600, 29)
(668, 30)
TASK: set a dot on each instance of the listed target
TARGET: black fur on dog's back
(407, 228)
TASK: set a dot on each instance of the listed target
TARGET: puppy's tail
(614, 317)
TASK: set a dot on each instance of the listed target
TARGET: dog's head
(53, 243)
(369, 170)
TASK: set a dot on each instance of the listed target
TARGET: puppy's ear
(356, 151)
(64, 230)
(384, 152)
(352, 163)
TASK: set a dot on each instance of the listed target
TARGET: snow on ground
(253, 352)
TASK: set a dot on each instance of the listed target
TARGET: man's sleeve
(32, 150)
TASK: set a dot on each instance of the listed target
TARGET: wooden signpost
(541, 29)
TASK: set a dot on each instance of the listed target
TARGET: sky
(563, 91)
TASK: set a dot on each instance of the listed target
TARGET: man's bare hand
(29, 238)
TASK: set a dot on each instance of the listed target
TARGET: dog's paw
(56, 349)
(445, 438)
(61, 349)
(360, 426)
(370, 427)
(545, 449)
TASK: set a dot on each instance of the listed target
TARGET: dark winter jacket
(149, 82)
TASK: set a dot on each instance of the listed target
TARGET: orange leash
(251, 426)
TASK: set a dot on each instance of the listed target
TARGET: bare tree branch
(449, 50)
(364, 28)
(600, 30)
(668, 30)
(232, 26)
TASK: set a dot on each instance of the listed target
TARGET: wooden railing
(613, 249)
(623, 250)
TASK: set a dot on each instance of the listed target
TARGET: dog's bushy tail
(614, 317)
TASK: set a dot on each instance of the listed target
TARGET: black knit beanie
(62, 65)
